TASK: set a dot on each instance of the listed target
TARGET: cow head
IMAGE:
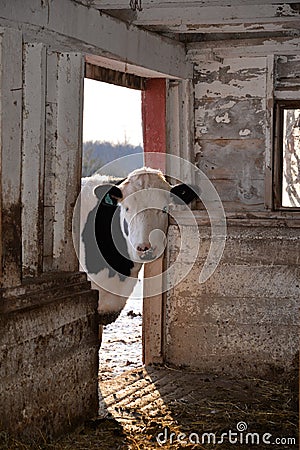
(144, 198)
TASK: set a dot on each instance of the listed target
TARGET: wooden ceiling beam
(159, 4)
(205, 16)
(69, 25)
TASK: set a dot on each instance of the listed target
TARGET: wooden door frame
(168, 128)
(154, 134)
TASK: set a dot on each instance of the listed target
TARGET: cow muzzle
(146, 252)
(152, 247)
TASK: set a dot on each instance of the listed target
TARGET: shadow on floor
(159, 407)
(169, 408)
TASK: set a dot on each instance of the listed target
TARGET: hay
(213, 405)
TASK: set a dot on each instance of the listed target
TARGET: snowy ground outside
(121, 348)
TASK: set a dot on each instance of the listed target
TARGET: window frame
(280, 106)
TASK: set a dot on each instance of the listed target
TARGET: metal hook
(136, 5)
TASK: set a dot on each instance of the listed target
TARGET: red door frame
(154, 120)
(155, 141)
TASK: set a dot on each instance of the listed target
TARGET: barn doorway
(112, 129)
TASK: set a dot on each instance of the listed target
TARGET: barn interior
(220, 89)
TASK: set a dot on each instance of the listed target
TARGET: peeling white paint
(252, 83)
(223, 119)
(287, 11)
(244, 132)
(282, 59)
(202, 130)
(228, 105)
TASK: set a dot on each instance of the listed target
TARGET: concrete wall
(245, 319)
(49, 356)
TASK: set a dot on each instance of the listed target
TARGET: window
(287, 155)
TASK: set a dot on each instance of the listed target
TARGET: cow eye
(165, 209)
(126, 209)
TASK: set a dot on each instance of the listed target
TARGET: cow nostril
(144, 247)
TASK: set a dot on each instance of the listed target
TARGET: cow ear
(108, 196)
(184, 193)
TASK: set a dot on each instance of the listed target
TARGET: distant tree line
(96, 154)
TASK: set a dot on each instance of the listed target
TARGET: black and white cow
(124, 225)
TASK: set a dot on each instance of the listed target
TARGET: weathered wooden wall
(49, 345)
(230, 122)
(48, 331)
(245, 318)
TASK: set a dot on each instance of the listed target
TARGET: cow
(123, 225)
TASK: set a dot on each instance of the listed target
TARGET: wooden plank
(233, 29)
(287, 72)
(114, 77)
(230, 111)
(154, 133)
(154, 123)
(152, 316)
(157, 4)
(180, 129)
(236, 48)
(63, 156)
(186, 93)
(277, 159)
(99, 34)
(122, 66)
(10, 156)
(269, 130)
(230, 77)
(33, 157)
(173, 128)
(284, 94)
(197, 18)
(50, 151)
(68, 156)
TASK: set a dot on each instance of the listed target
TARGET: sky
(111, 113)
